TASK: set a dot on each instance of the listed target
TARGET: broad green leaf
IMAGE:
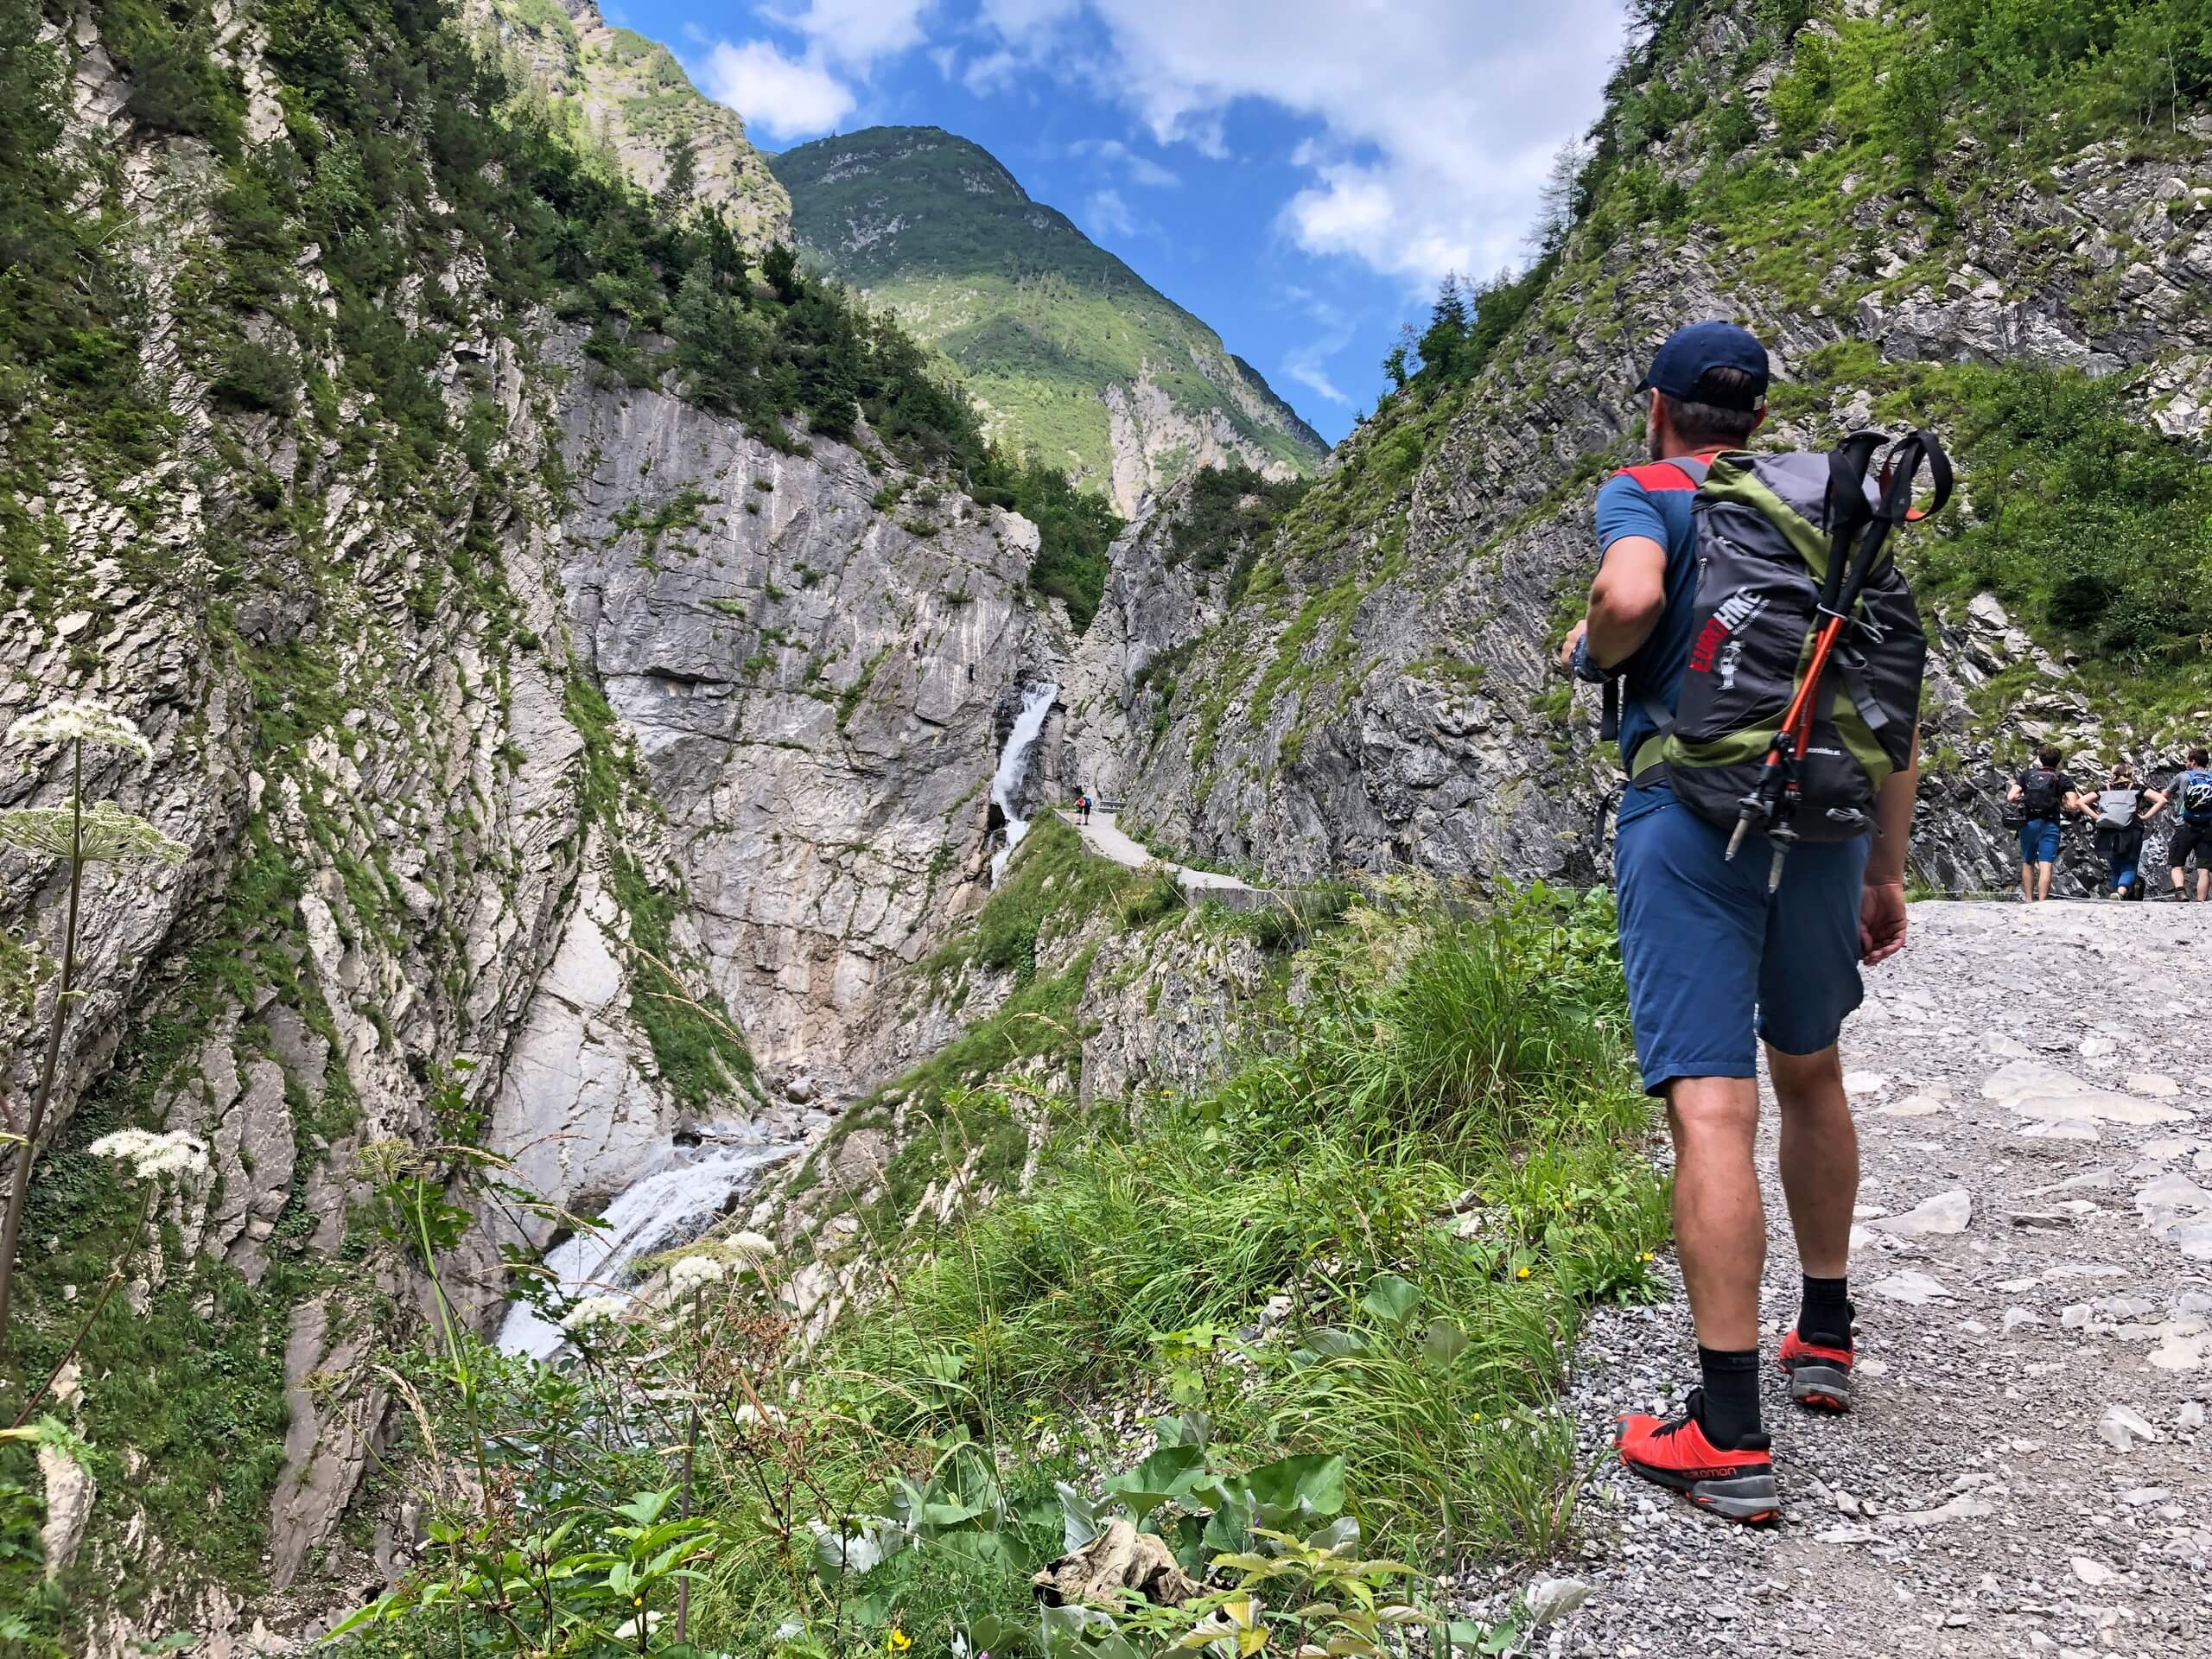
(1313, 1485)
(1340, 1534)
(1079, 1518)
(1442, 1343)
(1391, 1298)
(1168, 1472)
(1229, 1527)
(1187, 1429)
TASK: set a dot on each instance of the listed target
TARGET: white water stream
(669, 1207)
(1014, 766)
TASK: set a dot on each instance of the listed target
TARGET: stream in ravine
(669, 1207)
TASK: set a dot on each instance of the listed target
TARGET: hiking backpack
(2196, 793)
(2116, 807)
(1765, 534)
(2039, 794)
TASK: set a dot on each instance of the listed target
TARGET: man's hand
(1881, 921)
(1573, 639)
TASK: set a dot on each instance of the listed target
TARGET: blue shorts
(2039, 842)
(1716, 963)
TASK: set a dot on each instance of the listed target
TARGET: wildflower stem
(115, 1278)
(19, 1188)
(684, 1586)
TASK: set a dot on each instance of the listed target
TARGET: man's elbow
(1627, 607)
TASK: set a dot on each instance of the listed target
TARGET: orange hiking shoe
(1674, 1453)
(1820, 1376)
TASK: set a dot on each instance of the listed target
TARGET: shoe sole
(1749, 1500)
(1822, 1388)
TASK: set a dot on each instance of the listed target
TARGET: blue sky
(1297, 173)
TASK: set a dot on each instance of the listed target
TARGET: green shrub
(254, 377)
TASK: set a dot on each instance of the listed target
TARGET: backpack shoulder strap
(1683, 472)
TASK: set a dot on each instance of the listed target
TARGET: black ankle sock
(1732, 1395)
(1825, 1317)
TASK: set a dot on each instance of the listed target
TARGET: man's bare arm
(1881, 906)
(1627, 598)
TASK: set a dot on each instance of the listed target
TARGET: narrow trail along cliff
(1106, 838)
(2027, 1469)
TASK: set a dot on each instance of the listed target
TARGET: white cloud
(1438, 119)
(1304, 367)
(1106, 211)
(857, 32)
(993, 72)
(789, 98)
(1136, 167)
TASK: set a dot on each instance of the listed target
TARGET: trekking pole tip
(1773, 870)
(1736, 841)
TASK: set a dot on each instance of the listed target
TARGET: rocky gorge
(583, 781)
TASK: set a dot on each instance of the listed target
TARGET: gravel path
(2027, 1472)
(1104, 837)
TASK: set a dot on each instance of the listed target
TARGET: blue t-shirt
(1653, 674)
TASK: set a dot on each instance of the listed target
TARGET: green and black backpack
(1774, 553)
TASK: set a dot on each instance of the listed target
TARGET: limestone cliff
(626, 97)
(561, 767)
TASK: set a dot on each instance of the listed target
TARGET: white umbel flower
(694, 1273)
(105, 834)
(753, 1245)
(153, 1156)
(594, 1312)
(79, 719)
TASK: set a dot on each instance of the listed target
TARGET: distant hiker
(2043, 795)
(2192, 797)
(1082, 809)
(1722, 951)
(2120, 811)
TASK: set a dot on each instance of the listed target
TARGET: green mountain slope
(1068, 349)
(627, 100)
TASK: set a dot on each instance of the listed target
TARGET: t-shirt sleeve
(1623, 509)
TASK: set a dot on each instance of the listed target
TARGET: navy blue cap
(1690, 351)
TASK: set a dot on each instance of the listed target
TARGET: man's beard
(1655, 442)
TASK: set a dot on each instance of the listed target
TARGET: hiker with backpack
(1770, 656)
(2120, 811)
(2192, 795)
(2041, 796)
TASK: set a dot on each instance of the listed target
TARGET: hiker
(2120, 811)
(1082, 809)
(2192, 795)
(2043, 795)
(1724, 944)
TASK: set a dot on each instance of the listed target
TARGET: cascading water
(1014, 767)
(667, 1207)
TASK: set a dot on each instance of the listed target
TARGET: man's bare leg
(2042, 880)
(2028, 882)
(1820, 1156)
(2203, 883)
(1720, 1226)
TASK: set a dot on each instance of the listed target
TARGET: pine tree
(1443, 344)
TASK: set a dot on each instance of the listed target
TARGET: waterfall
(1014, 767)
(669, 1207)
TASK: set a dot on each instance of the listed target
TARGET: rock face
(1381, 693)
(1064, 347)
(544, 752)
(626, 97)
(815, 688)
